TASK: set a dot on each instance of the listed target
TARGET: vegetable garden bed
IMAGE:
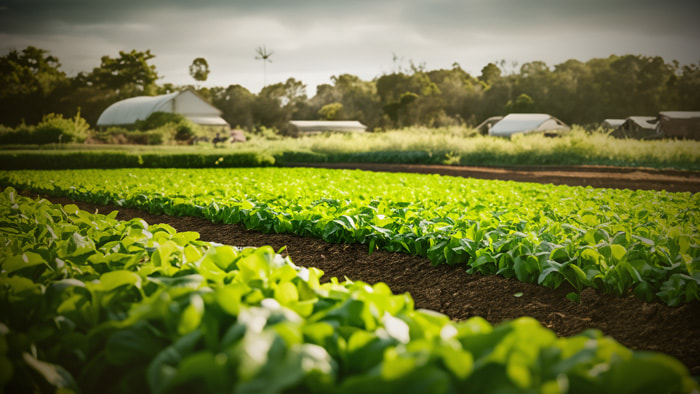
(94, 304)
(616, 241)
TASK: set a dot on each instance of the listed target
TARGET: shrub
(53, 128)
(118, 135)
(22, 135)
(184, 131)
(61, 159)
(159, 119)
(56, 128)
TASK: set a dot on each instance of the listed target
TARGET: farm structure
(527, 123)
(637, 127)
(485, 126)
(303, 127)
(611, 124)
(185, 103)
(679, 124)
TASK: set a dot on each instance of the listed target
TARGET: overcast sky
(314, 40)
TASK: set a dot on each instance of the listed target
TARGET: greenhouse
(186, 103)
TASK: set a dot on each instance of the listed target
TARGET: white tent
(186, 103)
(526, 123)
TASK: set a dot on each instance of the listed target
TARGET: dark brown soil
(450, 290)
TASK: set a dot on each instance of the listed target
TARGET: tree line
(33, 85)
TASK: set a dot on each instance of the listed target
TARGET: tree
(264, 54)
(688, 88)
(490, 74)
(128, 75)
(236, 104)
(332, 111)
(522, 104)
(199, 69)
(30, 85)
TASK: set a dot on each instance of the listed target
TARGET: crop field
(93, 304)
(616, 241)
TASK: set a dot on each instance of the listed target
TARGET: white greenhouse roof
(186, 103)
(311, 126)
(523, 123)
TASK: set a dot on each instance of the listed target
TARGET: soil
(637, 324)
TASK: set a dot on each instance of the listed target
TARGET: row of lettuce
(617, 241)
(92, 304)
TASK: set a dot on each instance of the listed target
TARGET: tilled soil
(450, 290)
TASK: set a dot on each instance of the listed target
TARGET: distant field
(452, 146)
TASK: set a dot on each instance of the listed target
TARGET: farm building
(186, 103)
(302, 127)
(611, 124)
(485, 126)
(679, 124)
(527, 123)
(637, 127)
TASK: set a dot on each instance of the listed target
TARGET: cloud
(314, 40)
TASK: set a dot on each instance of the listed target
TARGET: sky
(312, 41)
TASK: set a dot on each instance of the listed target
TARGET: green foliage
(584, 93)
(184, 131)
(523, 104)
(199, 69)
(56, 159)
(118, 135)
(31, 86)
(159, 119)
(52, 129)
(236, 104)
(616, 241)
(267, 133)
(445, 145)
(332, 111)
(129, 73)
(70, 130)
(91, 304)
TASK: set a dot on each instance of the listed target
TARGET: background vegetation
(32, 86)
(455, 145)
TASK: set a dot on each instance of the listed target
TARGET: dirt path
(450, 290)
(595, 176)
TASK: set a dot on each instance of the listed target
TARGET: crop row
(618, 241)
(92, 304)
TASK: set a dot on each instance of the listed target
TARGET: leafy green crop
(617, 241)
(91, 304)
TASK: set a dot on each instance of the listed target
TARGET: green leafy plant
(617, 241)
(94, 304)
